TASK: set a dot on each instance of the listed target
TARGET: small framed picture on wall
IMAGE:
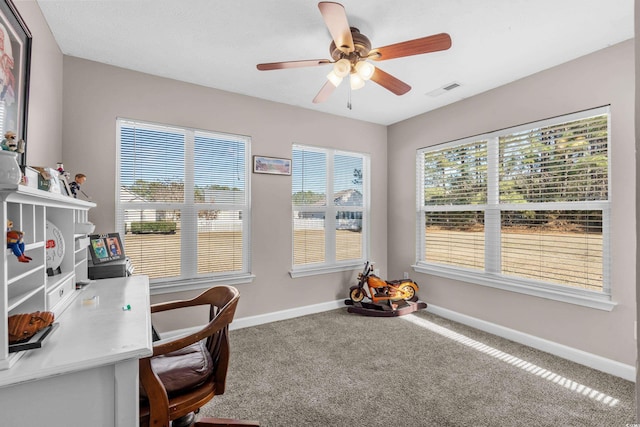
(271, 165)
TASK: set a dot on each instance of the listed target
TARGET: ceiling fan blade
(427, 44)
(389, 82)
(324, 93)
(292, 64)
(336, 20)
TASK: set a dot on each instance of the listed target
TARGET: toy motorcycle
(380, 290)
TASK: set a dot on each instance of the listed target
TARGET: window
(524, 209)
(183, 203)
(329, 233)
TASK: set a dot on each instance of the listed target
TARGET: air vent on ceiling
(444, 89)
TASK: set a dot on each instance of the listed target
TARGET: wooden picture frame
(15, 42)
(271, 165)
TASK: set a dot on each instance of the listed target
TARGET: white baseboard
(600, 363)
(245, 322)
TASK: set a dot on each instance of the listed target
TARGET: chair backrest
(162, 408)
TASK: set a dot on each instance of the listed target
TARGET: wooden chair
(186, 372)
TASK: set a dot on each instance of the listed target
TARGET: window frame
(491, 276)
(189, 278)
(330, 210)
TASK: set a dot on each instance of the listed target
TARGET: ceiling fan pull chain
(349, 98)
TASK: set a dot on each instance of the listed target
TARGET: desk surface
(93, 331)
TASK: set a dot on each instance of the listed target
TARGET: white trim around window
(183, 204)
(524, 209)
(329, 234)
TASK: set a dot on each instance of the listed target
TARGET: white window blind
(183, 201)
(527, 204)
(331, 230)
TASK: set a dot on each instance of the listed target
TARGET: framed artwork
(271, 165)
(15, 51)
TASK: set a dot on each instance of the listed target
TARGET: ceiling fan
(350, 51)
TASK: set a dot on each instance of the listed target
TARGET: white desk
(86, 372)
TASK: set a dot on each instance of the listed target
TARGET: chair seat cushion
(183, 369)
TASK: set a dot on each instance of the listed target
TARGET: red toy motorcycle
(380, 290)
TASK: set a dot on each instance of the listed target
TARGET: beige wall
(95, 94)
(44, 126)
(605, 77)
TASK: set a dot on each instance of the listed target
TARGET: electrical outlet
(405, 275)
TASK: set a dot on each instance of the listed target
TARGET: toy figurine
(80, 178)
(387, 297)
(9, 143)
(15, 242)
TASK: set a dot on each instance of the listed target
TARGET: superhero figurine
(15, 242)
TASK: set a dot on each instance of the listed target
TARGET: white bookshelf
(27, 286)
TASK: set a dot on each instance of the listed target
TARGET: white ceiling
(218, 44)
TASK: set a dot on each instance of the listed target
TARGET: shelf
(27, 247)
(20, 299)
(24, 194)
(55, 281)
(27, 288)
(21, 276)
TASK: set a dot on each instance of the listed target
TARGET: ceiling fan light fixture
(334, 78)
(365, 70)
(356, 81)
(342, 67)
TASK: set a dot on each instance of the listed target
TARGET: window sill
(312, 271)
(580, 297)
(181, 285)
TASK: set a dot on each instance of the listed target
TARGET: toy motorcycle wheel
(409, 291)
(356, 294)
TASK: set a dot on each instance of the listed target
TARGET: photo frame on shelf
(64, 186)
(14, 88)
(105, 248)
(271, 165)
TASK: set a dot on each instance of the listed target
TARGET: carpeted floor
(341, 369)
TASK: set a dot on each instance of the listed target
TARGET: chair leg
(184, 421)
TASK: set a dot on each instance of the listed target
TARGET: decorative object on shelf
(61, 171)
(74, 187)
(106, 247)
(15, 242)
(64, 186)
(9, 143)
(9, 169)
(15, 49)
(55, 249)
(23, 326)
(48, 180)
(63, 177)
(29, 176)
(271, 165)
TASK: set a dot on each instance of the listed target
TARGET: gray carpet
(341, 369)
